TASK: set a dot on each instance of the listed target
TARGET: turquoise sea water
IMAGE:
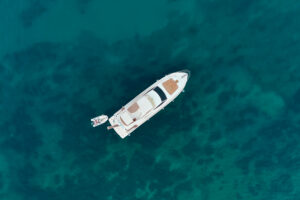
(233, 134)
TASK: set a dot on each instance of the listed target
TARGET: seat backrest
(125, 118)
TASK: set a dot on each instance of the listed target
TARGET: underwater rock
(34, 11)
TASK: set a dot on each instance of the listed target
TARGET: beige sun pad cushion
(170, 85)
(133, 108)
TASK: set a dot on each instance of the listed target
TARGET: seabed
(233, 134)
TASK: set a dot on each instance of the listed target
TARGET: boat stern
(118, 127)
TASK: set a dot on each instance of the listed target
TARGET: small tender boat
(99, 120)
(146, 104)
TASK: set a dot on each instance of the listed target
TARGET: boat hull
(122, 129)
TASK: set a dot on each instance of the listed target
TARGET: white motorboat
(147, 104)
(99, 120)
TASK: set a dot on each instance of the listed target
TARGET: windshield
(160, 93)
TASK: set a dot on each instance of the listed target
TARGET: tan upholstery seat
(133, 108)
(170, 85)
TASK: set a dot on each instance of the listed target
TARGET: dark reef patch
(36, 58)
(244, 162)
(1, 181)
(83, 5)
(214, 136)
(211, 88)
(295, 101)
(240, 117)
(24, 139)
(37, 87)
(35, 10)
(282, 184)
(24, 182)
(191, 149)
(254, 189)
(185, 186)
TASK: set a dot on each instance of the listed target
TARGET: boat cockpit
(150, 101)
